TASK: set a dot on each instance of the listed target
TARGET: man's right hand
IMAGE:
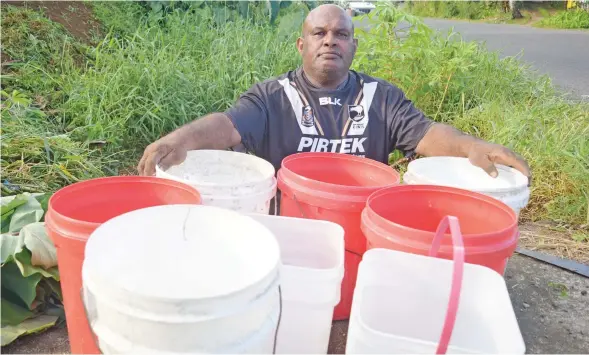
(165, 152)
(214, 131)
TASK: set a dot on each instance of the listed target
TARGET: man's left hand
(486, 155)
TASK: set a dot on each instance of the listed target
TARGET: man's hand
(165, 152)
(486, 155)
(214, 131)
(444, 140)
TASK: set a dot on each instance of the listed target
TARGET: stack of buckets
(362, 196)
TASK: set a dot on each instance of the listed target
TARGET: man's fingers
(483, 162)
(150, 162)
(509, 158)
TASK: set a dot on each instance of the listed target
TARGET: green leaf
(29, 326)
(25, 288)
(43, 252)
(30, 212)
(13, 314)
(8, 209)
(23, 260)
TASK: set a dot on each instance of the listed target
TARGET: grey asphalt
(562, 54)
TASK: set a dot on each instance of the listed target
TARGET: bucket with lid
(75, 211)
(418, 304)
(334, 187)
(510, 186)
(405, 218)
(312, 255)
(183, 279)
(233, 180)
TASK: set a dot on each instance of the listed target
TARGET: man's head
(327, 44)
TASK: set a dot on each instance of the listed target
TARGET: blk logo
(329, 101)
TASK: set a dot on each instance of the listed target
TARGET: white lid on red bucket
(460, 173)
(185, 253)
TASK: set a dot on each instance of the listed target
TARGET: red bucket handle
(457, 273)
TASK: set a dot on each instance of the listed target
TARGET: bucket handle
(457, 274)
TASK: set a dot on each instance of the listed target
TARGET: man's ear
(300, 44)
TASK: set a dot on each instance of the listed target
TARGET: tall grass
(571, 19)
(147, 77)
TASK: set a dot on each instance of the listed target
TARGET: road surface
(562, 54)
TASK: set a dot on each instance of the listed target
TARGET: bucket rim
(445, 189)
(340, 156)
(107, 180)
(523, 185)
(254, 158)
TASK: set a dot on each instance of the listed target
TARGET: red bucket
(405, 218)
(334, 187)
(75, 211)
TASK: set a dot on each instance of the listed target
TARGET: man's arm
(245, 122)
(444, 140)
(214, 131)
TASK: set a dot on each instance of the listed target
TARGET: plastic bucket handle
(457, 273)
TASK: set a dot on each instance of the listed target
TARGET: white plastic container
(312, 254)
(182, 279)
(510, 186)
(412, 304)
(233, 180)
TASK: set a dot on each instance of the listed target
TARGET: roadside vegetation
(547, 14)
(75, 108)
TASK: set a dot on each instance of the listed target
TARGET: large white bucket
(182, 279)
(413, 304)
(233, 180)
(312, 254)
(510, 186)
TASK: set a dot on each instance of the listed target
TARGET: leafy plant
(31, 294)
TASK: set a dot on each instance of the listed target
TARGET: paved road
(562, 54)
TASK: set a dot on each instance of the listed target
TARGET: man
(325, 107)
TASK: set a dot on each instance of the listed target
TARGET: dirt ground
(75, 16)
(551, 305)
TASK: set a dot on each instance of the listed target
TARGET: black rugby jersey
(366, 117)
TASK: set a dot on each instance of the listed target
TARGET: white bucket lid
(460, 173)
(177, 253)
(221, 170)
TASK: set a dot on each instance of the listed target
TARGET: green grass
(547, 14)
(148, 76)
(571, 19)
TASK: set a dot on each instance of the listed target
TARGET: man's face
(328, 45)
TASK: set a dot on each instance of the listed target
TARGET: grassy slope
(143, 80)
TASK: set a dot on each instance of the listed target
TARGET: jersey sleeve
(250, 118)
(408, 125)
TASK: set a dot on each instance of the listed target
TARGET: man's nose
(329, 40)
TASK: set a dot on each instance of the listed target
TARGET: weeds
(571, 19)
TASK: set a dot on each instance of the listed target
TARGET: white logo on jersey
(356, 112)
(329, 101)
(346, 145)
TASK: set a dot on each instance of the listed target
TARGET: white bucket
(233, 180)
(181, 278)
(510, 186)
(413, 304)
(312, 254)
